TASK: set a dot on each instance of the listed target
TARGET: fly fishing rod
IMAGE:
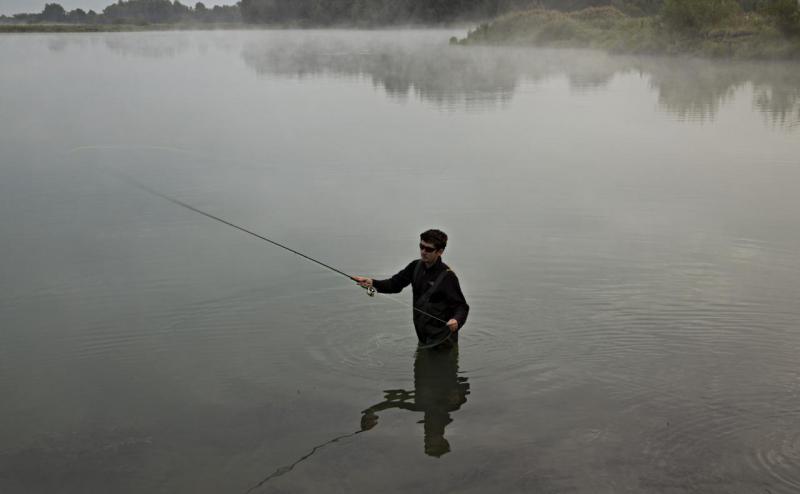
(370, 290)
(232, 225)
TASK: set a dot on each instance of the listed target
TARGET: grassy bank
(112, 28)
(747, 36)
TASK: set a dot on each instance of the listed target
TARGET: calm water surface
(626, 231)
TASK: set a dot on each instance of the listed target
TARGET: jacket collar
(435, 267)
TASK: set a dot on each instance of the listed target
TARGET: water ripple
(778, 455)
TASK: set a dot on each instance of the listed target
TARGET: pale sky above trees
(8, 7)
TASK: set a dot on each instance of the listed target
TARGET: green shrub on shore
(786, 15)
(598, 27)
(696, 15)
(717, 29)
(551, 26)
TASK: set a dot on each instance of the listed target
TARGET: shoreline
(114, 28)
(241, 26)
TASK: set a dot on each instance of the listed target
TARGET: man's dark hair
(437, 238)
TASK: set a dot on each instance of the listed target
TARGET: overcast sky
(8, 7)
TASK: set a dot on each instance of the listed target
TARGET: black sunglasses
(427, 248)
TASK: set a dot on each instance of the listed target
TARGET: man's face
(428, 253)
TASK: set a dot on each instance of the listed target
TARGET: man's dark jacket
(445, 301)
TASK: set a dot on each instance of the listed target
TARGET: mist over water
(625, 230)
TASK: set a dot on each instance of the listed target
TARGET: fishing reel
(370, 291)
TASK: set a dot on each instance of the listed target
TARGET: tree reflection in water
(438, 391)
(480, 77)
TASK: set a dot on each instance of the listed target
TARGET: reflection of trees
(144, 45)
(778, 97)
(437, 73)
(155, 45)
(696, 89)
(691, 89)
(420, 63)
(438, 390)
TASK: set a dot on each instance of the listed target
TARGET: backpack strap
(427, 295)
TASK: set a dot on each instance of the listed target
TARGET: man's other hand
(453, 325)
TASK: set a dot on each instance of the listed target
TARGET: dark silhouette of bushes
(135, 12)
(695, 15)
(785, 14)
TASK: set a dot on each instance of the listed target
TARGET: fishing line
(288, 468)
(370, 290)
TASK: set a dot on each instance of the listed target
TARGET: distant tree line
(697, 15)
(377, 12)
(326, 12)
(678, 14)
(132, 12)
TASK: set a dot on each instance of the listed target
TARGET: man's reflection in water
(438, 390)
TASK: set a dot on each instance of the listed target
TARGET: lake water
(626, 231)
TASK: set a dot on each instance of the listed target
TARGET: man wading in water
(435, 291)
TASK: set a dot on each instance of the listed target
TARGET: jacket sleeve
(396, 283)
(456, 299)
